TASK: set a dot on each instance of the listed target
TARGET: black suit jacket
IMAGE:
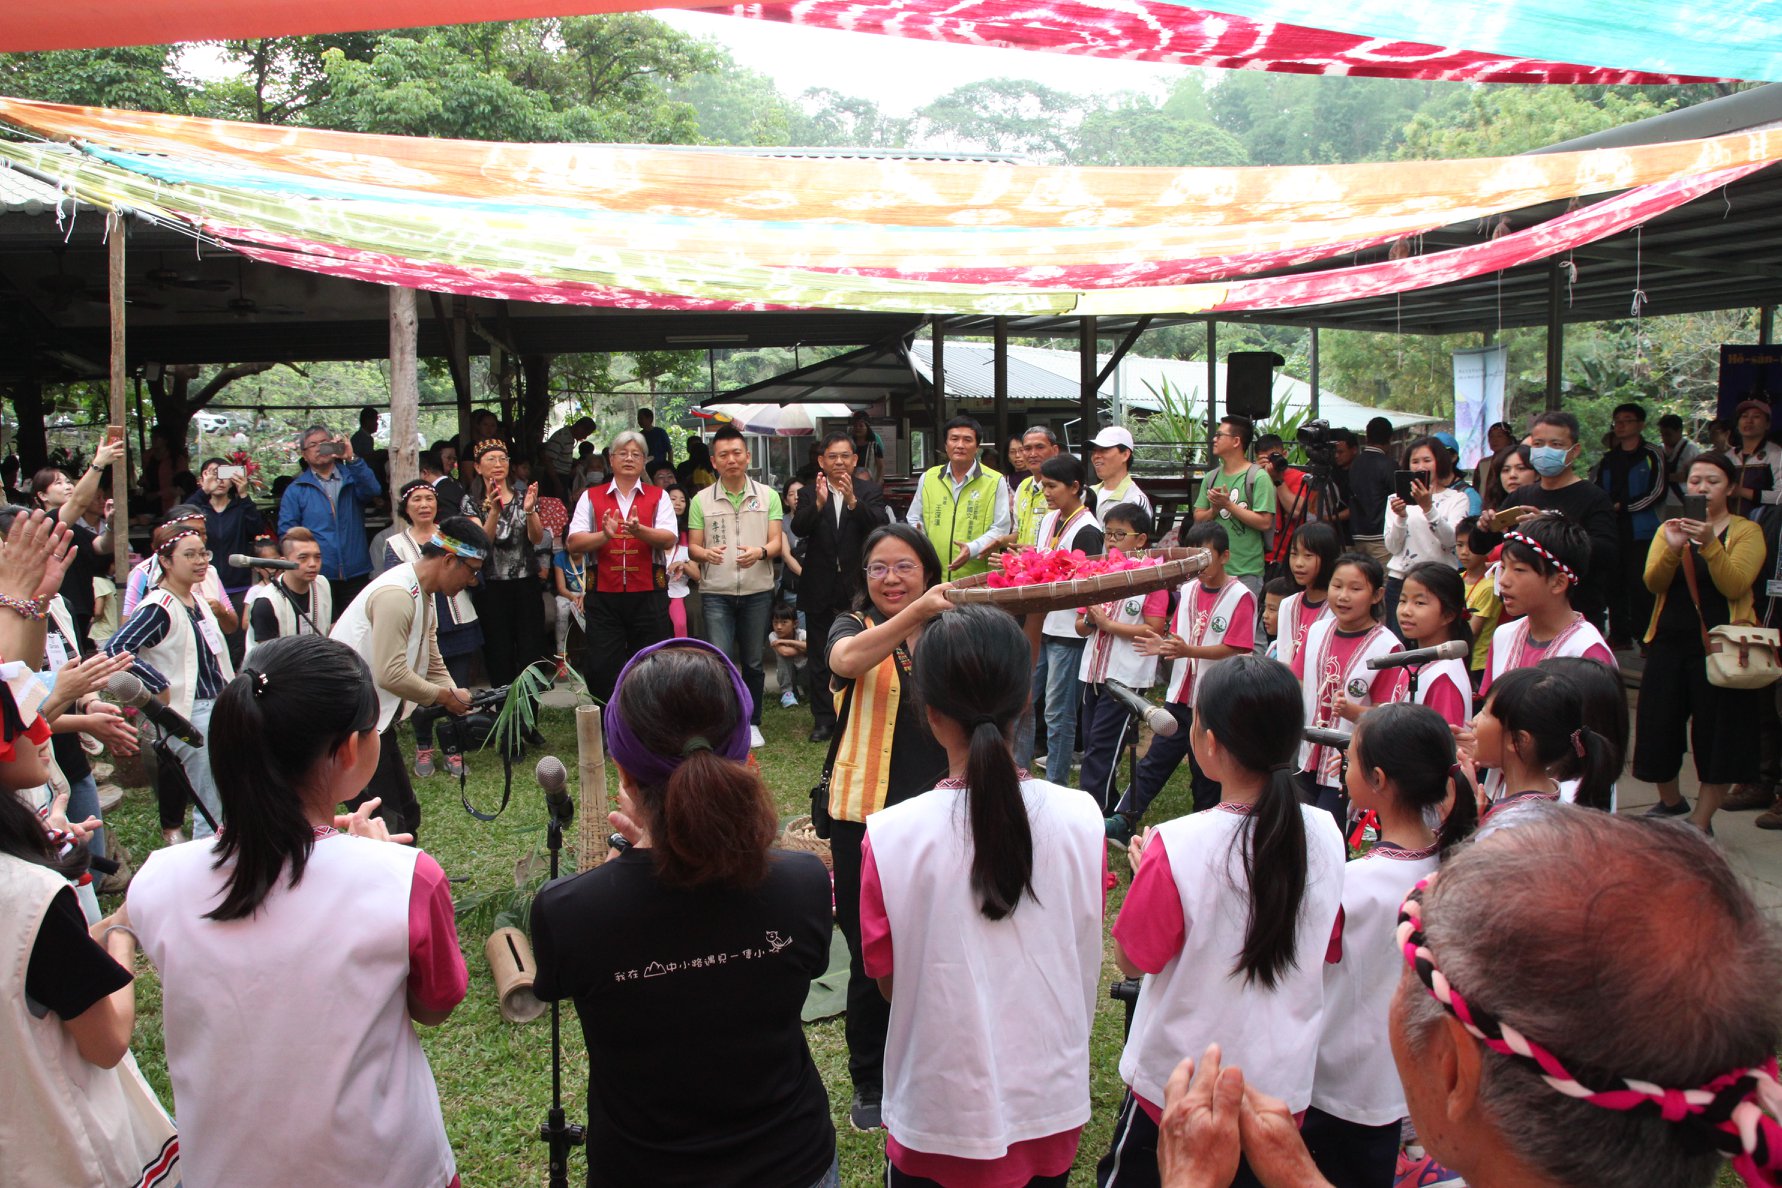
(832, 556)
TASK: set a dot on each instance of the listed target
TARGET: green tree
(140, 78)
(831, 119)
(280, 78)
(1133, 132)
(1003, 115)
(1316, 119)
(737, 106)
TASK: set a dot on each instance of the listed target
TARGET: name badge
(1773, 588)
(213, 636)
(58, 651)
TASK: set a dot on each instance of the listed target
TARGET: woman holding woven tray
(1726, 552)
(690, 954)
(870, 661)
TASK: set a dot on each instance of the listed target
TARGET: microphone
(1326, 738)
(1160, 720)
(552, 776)
(127, 688)
(243, 561)
(1454, 649)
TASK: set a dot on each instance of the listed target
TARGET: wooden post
(1313, 416)
(1766, 324)
(405, 389)
(591, 753)
(1087, 386)
(120, 481)
(1555, 335)
(937, 449)
(1213, 382)
(999, 370)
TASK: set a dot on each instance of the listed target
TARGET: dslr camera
(1320, 446)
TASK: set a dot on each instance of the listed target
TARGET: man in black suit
(449, 490)
(833, 519)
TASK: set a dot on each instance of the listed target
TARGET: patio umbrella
(773, 420)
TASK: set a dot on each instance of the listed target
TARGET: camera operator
(1295, 502)
(391, 625)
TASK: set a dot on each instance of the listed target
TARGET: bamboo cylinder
(594, 804)
(510, 960)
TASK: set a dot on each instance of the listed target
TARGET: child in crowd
(1215, 620)
(1109, 654)
(1531, 731)
(787, 642)
(1432, 611)
(683, 571)
(265, 545)
(1604, 699)
(569, 572)
(1069, 525)
(1310, 559)
(1544, 557)
(1401, 767)
(1275, 591)
(1229, 917)
(1335, 682)
(1474, 543)
(995, 930)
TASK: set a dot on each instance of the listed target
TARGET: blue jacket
(339, 529)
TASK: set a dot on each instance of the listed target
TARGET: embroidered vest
(627, 565)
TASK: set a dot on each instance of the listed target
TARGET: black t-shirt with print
(690, 1001)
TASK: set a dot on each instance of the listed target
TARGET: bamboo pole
(591, 751)
(120, 480)
(405, 391)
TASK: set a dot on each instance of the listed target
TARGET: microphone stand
(557, 1132)
(1413, 671)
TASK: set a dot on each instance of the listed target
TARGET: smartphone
(1401, 484)
(1695, 507)
(114, 435)
(230, 473)
(330, 449)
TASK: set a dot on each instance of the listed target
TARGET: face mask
(1547, 460)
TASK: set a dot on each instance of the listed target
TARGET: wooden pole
(1316, 377)
(591, 752)
(120, 481)
(405, 389)
(937, 449)
(1213, 382)
(1087, 386)
(999, 371)
(1555, 335)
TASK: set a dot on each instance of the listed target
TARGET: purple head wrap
(650, 767)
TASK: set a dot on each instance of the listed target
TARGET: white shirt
(1414, 538)
(1106, 497)
(583, 520)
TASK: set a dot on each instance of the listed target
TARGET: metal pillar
(1212, 381)
(1766, 324)
(120, 476)
(1313, 414)
(938, 448)
(999, 376)
(1087, 383)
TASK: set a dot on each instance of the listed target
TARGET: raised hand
(360, 823)
(1198, 1137)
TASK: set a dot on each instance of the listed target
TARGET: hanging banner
(1748, 373)
(1478, 398)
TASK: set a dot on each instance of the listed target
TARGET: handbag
(820, 818)
(1740, 655)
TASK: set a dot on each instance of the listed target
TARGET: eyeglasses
(204, 556)
(878, 571)
(1117, 537)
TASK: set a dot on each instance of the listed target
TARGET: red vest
(626, 565)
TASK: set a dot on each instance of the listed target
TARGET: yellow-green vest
(950, 523)
(1030, 509)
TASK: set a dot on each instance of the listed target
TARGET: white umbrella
(774, 420)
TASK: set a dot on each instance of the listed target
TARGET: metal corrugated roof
(24, 194)
(971, 371)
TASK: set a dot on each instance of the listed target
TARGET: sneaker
(1424, 1172)
(562, 668)
(455, 766)
(424, 762)
(755, 738)
(1120, 828)
(863, 1115)
(1661, 809)
(788, 699)
(1771, 819)
(1745, 797)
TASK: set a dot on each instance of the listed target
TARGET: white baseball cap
(1113, 435)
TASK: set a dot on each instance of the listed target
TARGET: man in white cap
(1110, 452)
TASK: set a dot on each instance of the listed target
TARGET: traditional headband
(1571, 575)
(167, 545)
(1735, 1113)
(410, 487)
(651, 768)
(265, 538)
(456, 547)
(487, 444)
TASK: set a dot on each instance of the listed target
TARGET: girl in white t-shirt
(1229, 916)
(1432, 611)
(980, 917)
(1311, 559)
(683, 571)
(1401, 767)
(1110, 629)
(1533, 732)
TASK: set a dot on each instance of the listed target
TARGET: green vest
(1030, 509)
(949, 523)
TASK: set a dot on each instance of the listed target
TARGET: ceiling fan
(244, 307)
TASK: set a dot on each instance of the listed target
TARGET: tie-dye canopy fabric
(1552, 41)
(664, 228)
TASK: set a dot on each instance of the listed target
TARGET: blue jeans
(736, 624)
(832, 1177)
(83, 802)
(196, 763)
(1061, 658)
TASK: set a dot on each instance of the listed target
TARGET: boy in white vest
(391, 625)
(1215, 620)
(296, 601)
(1110, 629)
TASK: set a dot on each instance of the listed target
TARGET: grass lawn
(494, 1077)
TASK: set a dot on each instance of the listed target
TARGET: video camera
(1319, 443)
(468, 732)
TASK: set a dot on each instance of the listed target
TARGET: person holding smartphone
(329, 499)
(231, 522)
(1422, 515)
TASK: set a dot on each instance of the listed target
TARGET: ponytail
(1413, 747)
(292, 707)
(1252, 706)
(1549, 706)
(1463, 813)
(971, 667)
(1596, 769)
(715, 823)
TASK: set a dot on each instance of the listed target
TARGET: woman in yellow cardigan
(1727, 552)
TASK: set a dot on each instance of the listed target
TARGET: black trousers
(1160, 763)
(512, 615)
(1680, 710)
(1630, 602)
(342, 591)
(619, 627)
(1349, 1154)
(399, 810)
(816, 665)
(1131, 1161)
(869, 1015)
(897, 1179)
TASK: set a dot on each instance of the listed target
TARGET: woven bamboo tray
(1179, 564)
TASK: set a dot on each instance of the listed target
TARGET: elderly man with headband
(391, 625)
(1550, 1028)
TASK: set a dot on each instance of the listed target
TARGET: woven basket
(1178, 566)
(799, 834)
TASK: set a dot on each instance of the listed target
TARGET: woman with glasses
(508, 604)
(181, 654)
(870, 661)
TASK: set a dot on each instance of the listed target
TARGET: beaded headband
(456, 547)
(487, 444)
(1571, 575)
(1735, 1113)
